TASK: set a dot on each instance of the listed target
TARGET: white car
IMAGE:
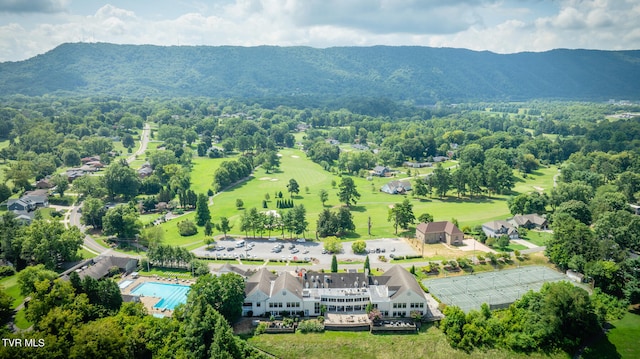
(272, 239)
(301, 240)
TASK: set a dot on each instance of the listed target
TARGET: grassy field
(373, 203)
(429, 343)
(621, 341)
(538, 238)
(11, 287)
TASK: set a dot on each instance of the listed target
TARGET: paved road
(73, 216)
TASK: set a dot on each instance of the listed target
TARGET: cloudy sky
(31, 27)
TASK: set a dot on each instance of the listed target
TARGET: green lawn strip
(148, 218)
(165, 272)
(21, 321)
(538, 238)
(202, 172)
(516, 247)
(85, 254)
(429, 343)
(620, 342)
(12, 288)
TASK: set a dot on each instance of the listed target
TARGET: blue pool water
(171, 294)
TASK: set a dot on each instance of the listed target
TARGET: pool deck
(150, 302)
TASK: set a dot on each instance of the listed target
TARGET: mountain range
(420, 75)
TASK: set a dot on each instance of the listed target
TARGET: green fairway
(429, 343)
(620, 342)
(372, 204)
(202, 172)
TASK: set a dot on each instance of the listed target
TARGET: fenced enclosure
(497, 288)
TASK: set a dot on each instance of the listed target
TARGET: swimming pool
(171, 294)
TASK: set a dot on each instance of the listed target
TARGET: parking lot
(297, 250)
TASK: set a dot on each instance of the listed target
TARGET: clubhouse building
(396, 293)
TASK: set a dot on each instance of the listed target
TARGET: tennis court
(498, 288)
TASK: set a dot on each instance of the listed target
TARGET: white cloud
(502, 26)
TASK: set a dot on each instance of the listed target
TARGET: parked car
(295, 250)
(272, 239)
(292, 246)
(301, 240)
(230, 248)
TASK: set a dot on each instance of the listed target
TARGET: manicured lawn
(372, 204)
(148, 218)
(621, 341)
(11, 287)
(85, 254)
(21, 321)
(164, 272)
(538, 238)
(429, 343)
(202, 172)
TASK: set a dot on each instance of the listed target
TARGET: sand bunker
(274, 179)
(294, 156)
(264, 178)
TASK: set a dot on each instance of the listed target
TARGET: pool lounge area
(170, 294)
(159, 295)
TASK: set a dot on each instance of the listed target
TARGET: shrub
(261, 328)
(359, 247)
(6, 271)
(61, 201)
(311, 326)
(187, 228)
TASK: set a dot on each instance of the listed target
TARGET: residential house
(380, 171)
(396, 187)
(635, 209)
(20, 205)
(44, 183)
(530, 221)
(396, 293)
(74, 173)
(86, 160)
(24, 218)
(436, 232)
(40, 197)
(495, 229)
(417, 164)
(331, 141)
(145, 170)
(440, 158)
(360, 147)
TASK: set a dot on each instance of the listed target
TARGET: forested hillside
(421, 75)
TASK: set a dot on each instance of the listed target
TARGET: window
(316, 307)
(258, 304)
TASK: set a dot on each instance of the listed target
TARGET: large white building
(396, 293)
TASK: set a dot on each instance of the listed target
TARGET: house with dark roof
(380, 171)
(39, 197)
(529, 221)
(396, 293)
(396, 187)
(21, 205)
(44, 183)
(145, 170)
(100, 266)
(439, 232)
(495, 229)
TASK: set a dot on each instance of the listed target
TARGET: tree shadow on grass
(357, 208)
(350, 235)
